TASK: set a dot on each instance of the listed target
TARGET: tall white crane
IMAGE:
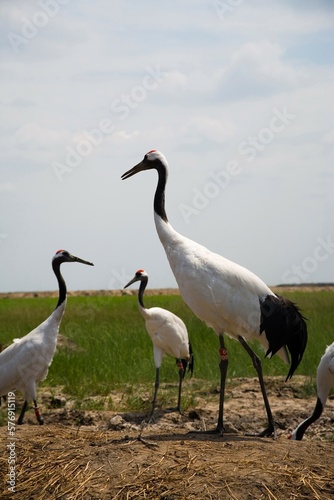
(169, 335)
(325, 381)
(226, 296)
(25, 362)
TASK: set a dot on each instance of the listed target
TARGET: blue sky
(237, 95)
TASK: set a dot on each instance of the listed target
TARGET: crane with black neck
(25, 362)
(227, 297)
(169, 335)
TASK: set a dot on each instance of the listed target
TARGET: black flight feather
(284, 325)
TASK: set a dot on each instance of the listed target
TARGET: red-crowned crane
(25, 362)
(325, 381)
(226, 296)
(169, 335)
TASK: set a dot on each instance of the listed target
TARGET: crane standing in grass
(325, 381)
(25, 362)
(168, 334)
(228, 297)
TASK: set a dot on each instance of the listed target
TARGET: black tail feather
(284, 325)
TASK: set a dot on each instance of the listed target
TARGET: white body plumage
(220, 292)
(25, 362)
(168, 333)
(325, 374)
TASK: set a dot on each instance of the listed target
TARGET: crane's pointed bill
(137, 168)
(77, 259)
(134, 279)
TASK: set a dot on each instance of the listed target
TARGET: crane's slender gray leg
(21, 417)
(181, 375)
(156, 386)
(223, 364)
(39, 417)
(271, 429)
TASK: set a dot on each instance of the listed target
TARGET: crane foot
(269, 431)
(218, 431)
(40, 420)
(174, 409)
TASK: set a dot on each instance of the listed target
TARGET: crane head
(140, 275)
(151, 160)
(64, 256)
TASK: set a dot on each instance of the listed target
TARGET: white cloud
(264, 59)
(122, 135)
(257, 69)
(201, 128)
(253, 69)
(6, 187)
(34, 136)
(328, 138)
(174, 81)
(277, 19)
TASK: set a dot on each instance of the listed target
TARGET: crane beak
(132, 281)
(137, 168)
(77, 259)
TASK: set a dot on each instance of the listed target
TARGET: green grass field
(114, 350)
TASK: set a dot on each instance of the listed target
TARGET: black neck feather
(315, 415)
(61, 283)
(141, 291)
(159, 197)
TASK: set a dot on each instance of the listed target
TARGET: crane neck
(61, 283)
(143, 284)
(315, 415)
(159, 197)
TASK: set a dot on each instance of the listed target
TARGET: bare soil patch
(108, 455)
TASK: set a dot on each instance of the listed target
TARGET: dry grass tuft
(52, 465)
(78, 463)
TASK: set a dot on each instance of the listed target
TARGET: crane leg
(223, 371)
(21, 417)
(181, 376)
(156, 387)
(37, 413)
(39, 417)
(271, 429)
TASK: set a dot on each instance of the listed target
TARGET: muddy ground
(115, 455)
